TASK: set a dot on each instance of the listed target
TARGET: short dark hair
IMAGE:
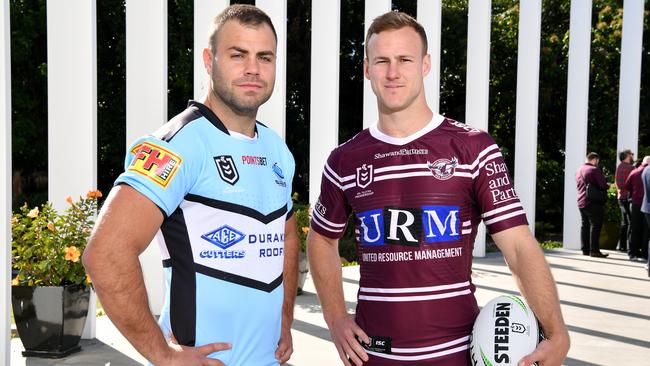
(244, 14)
(592, 155)
(394, 20)
(624, 154)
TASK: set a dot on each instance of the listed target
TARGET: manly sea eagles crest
(364, 175)
(227, 169)
(443, 169)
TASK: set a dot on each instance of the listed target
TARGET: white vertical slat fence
(630, 79)
(324, 89)
(576, 116)
(146, 103)
(72, 106)
(204, 12)
(478, 80)
(373, 9)
(5, 183)
(530, 24)
(429, 14)
(273, 112)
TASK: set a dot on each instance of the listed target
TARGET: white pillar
(576, 116)
(530, 19)
(429, 15)
(72, 106)
(324, 101)
(5, 184)
(629, 90)
(478, 80)
(373, 9)
(204, 13)
(273, 112)
(146, 103)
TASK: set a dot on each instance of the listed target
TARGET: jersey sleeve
(498, 202)
(159, 171)
(291, 173)
(330, 214)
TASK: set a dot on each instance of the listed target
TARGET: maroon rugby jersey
(417, 203)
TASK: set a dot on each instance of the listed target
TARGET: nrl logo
(443, 169)
(364, 175)
(227, 169)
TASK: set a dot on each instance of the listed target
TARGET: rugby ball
(504, 332)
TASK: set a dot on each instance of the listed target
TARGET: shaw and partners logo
(224, 237)
(407, 226)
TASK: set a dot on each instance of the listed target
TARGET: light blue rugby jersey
(226, 201)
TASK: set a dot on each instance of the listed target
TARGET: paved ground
(606, 304)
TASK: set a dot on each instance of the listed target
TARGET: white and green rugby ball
(504, 332)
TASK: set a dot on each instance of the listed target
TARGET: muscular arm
(325, 265)
(532, 273)
(290, 278)
(125, 226)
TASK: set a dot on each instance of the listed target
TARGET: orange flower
(72, 254)
(15, 282)
(88, 280)
(305, 229)
(14, 221)
(33, 213)
(94, 194)
(50, 226)
(69, 200)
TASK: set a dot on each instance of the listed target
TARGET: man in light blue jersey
(213, 187)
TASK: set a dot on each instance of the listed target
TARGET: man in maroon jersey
(419, 184)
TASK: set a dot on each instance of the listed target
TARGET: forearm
(325, 267)
(534, 278)
(290, 278)
(120, 287)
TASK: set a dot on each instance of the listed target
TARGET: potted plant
(50, 290)
(303, 215)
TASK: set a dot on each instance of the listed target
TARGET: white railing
(72, 94)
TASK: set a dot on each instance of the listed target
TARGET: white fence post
(72, 106)
(324, 101)
(5, 184)
(629, 90)
(478, 80)
(204, 12)
(146, 103)
(373, 9)
(429, 15)
(530, 20)
(273, 112)
(576, 116)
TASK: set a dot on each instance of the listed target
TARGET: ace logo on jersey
(364, 175)
(155, 162)
(227, 169)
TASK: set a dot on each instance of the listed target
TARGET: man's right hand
(193, 356)
(344, 331)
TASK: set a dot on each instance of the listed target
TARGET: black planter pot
(50, 319)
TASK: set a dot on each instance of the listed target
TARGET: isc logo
(406, 226)
(224, 237)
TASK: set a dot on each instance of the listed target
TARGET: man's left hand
(549, 352)
(285, 347)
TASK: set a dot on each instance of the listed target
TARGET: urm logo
(224, 237)
(407, 226)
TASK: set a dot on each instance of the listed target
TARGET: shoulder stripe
(501, 209)
(505, 217)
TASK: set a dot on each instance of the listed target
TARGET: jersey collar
(436, 120)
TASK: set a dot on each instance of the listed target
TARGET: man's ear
(426, 64)
(365, 68)
(207, 60)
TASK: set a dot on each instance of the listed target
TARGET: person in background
(637, 249)
(645, 205)
(624, 169)
(591, 212)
